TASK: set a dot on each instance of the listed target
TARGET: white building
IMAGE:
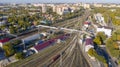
(97, 5)
(86, 6)
(107, 31)
(61, 10)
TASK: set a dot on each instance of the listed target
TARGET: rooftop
(48, 43)
(4, 40)
(89, 41)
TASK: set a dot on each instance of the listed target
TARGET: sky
(59, 1)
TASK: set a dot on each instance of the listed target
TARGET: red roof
(48, 43)
(86, 22)
(4, 40)
(89, 41)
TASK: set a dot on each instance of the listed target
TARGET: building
(44, 8)
(86, 6)
(86, 24)
(2, 23)
(100, 19)
(106, 30)
(33, 37)
(3, 41)
(61, 9)
(110, 5)
(97, 5)
(39, 47)
(88, 44)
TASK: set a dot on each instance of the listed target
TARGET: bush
(19, 55)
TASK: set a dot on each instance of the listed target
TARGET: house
(2, 23)
(88, 44)
(30, 38)
(2, 41)
(86, 24)
(41, 46)
(33, 37)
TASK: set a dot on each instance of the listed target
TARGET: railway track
(74, 59)
(38, 62)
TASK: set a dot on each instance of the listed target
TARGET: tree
(116, 35)
(91, 51)
(8, 48)
(97, 41)
(102, 35)
(12, 30)
(116, 46)
(19, 55)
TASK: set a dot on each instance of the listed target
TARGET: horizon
(54, 1)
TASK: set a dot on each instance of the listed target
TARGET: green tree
(12, 30)
(8, 48)
(116, 46)
(97, 40)
(102, 35)
(19, 55)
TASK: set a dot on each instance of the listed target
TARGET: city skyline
(59, 1)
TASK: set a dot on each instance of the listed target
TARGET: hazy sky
(59, 1)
